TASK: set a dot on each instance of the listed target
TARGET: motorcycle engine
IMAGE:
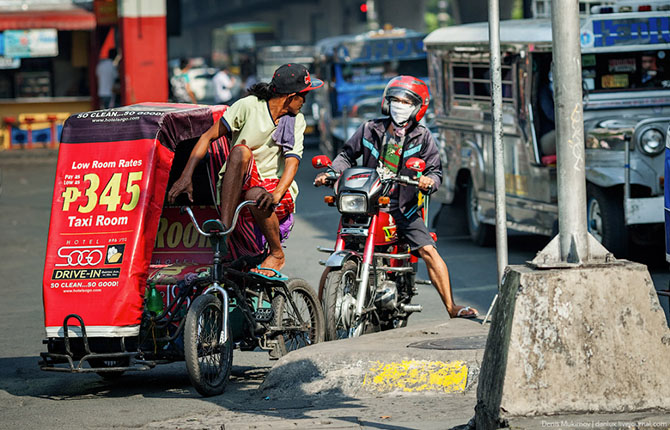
(386, 296)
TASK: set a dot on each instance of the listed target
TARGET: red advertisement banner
(106, 207)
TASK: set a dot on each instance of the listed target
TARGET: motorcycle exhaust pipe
(409, 308)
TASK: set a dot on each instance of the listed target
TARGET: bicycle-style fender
(338, 258)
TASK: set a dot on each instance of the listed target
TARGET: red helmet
(411, 88)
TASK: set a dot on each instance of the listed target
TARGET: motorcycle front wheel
(208, 362)
(300, 322)
(340, 292)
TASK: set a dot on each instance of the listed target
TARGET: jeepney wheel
(605, 219)
(480, 233)
(300, 326)
(208, 361)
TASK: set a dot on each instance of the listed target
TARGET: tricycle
(131, 282)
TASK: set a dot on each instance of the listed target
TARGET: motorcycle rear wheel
(208, 362)
(309, 309)
(339, 303)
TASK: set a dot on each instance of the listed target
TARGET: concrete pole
(372, 15)
(498, 157)
(567, 73)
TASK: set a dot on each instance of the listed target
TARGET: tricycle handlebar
(223, 233)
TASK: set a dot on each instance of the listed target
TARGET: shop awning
(60, 19)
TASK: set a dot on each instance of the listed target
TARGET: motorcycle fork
(339, 242)
(368, 255)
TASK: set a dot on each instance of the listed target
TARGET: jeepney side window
(471, 82)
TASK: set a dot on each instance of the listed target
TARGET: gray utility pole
(498, 161)
(567, 71)
(498, 152)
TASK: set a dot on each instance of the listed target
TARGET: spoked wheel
(300, 325)
(339, 304)
(208, 361)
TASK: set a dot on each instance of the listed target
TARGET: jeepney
(356, 69)
(269, 58)
(626, 100)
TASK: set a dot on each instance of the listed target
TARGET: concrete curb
(395, 362)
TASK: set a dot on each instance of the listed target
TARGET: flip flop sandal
(278, 276)
(467, 315)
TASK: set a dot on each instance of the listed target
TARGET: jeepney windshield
(361, 73)
(626, 71)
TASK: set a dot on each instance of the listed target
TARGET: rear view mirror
(321, 161)
(416, 164)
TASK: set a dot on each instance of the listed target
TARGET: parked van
(626, 100)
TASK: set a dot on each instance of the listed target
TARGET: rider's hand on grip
(325, 178)
(426, 184)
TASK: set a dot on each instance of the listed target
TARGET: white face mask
(400, 112)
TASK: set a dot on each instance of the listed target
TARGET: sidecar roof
(166, 123)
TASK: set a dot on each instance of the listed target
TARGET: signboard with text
(31, 43)
(112, 173)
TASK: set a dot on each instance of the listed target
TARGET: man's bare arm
(290, 170)
(184, 183)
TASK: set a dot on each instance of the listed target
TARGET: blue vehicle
(355, 69)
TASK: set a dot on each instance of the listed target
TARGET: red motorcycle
(370, 274)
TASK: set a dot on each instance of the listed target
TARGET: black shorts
(412, 230)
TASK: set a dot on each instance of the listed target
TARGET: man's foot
(271, 262)
(463, 312)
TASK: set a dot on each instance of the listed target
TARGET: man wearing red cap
(266, 130)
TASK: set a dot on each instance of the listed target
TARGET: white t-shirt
(106, 73)
(223, 86)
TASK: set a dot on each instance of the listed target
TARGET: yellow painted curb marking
(417, 375)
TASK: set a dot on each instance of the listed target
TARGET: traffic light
(363, 12)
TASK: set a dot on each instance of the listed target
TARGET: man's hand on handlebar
(426, 184)
(325, 178)
(321, 179)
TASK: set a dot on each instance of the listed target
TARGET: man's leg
(233, 180)
(269, 225)
(439, 276)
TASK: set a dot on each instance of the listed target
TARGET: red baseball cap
(293, 78)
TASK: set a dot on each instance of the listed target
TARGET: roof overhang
(72, 18)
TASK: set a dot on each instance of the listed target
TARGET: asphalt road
(43, 400)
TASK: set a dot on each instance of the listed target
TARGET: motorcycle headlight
(651, 142)
(352, 203)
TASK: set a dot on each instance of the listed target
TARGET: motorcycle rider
(384, 143)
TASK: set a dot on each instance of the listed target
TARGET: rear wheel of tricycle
(208, 361)
(299, 326)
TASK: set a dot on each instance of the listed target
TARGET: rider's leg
(416, 234)
(439, 276)
(231, 188)
(269, 225)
